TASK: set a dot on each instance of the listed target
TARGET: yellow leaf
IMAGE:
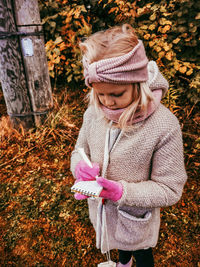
(58, 40)
(62, 46)
(163, 9)
(147, 36)
(169, 55)
(166, 47)
(164, 21)
(151, 43)
(158, 48)
(141, 11)
(166, 28)
(77, 13)
(152, 27)
(153, 16)
(161, 54)
(50, 66)
(176, 65)
(144, 27)
(175, 41)
(183, 69)
(189, 72)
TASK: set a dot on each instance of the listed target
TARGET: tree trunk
(12, 73)
(27, 13)
(23, 65)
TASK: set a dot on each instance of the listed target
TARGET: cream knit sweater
(148, 162)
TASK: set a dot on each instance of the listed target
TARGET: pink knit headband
(129, 68)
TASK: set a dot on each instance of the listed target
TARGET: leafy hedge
(169, 30)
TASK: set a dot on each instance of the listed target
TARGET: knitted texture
(129, 68)
(148, 162)
(155, 78)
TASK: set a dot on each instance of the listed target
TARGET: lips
(112, 108)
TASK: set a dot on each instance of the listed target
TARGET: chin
(112, 108)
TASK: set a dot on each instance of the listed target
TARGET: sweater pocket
(131, 229)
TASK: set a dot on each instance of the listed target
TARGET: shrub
(169, 30)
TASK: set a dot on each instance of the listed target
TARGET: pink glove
(111, 190)
(84, 173)
(79, 196)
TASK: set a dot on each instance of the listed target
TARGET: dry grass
(40, 222)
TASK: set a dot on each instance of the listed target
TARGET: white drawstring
(106, 231)
(103, 226)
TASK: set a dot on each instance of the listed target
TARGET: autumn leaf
(153, 17)
(152, 27)
(183, 69)
(164, 21)
(151, 43)
(161, 54)
(58, 40)
(169, 55)
(189, 72)
(166, 28)
(176, 65)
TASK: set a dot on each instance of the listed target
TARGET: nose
(108, 101)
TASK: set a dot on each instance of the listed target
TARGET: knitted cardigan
(148, 161)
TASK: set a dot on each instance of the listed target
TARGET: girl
(133, 141)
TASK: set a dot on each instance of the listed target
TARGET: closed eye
(117, 95)
(114, 95)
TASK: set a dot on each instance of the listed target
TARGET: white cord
(106, 230)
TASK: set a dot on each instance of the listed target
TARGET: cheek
(130, 97)
(126, 101)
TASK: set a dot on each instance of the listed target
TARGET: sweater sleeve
(81, 142)
(167, 179)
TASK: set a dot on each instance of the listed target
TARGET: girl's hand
(79, 196)
(111, 190)
(84, 173)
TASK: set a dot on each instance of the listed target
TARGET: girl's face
(114, 96)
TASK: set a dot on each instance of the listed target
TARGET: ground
(41, 224)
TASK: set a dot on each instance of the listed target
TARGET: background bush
(169, 30)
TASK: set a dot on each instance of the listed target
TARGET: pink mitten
(84, 173)
(111, 190)
(79, 196)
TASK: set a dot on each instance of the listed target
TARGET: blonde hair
(114, 42)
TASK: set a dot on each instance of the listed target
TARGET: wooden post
(34, 94)
(12, 74)
(36, 68)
